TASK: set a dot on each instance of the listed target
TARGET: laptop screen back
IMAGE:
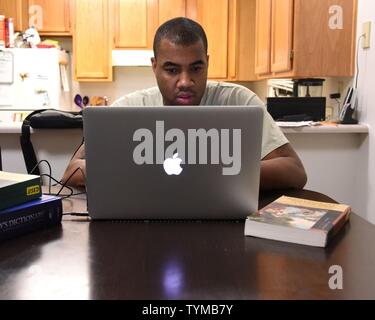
(172, 162)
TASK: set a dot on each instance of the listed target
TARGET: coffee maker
(310, 87)
(306, 104)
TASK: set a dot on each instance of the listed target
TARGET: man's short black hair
(180, 31)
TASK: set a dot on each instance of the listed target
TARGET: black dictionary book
(17, 188)
(30, 216)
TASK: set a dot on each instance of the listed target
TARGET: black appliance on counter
(309, 87)
(297, 108)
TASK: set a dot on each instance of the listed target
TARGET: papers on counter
(296, 124)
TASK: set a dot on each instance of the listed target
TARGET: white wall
(366, 93)
(126, 80)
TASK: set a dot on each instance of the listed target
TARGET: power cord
(63, 185)
(50, 172)
(71, 175)
(357, 62)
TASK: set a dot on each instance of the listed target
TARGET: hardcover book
(298, 220)
(30, 216)
(17, 188)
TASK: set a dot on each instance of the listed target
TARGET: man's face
(181, 72)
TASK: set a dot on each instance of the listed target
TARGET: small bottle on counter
(9, 33)
(2, 32)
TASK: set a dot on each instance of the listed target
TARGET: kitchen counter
(333, 155)
(15, 127)
(329, 128)
(11, 127)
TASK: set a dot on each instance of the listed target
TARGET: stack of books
(23, 207)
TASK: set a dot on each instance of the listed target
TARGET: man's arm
(282, 169)
(78, 162)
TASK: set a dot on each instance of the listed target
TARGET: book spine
(35, 217)
(19, 193)
(338, 225)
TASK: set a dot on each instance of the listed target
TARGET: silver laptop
(183, 162)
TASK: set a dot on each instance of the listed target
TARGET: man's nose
(185, 80)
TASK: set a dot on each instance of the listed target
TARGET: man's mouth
(185, 99)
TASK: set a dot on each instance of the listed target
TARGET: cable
(357, 63)
(63, 185)
(58, 182)
(76, 214)
(71, 175)
(74, 153)
(50, 172)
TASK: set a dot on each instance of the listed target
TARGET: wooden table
(182, 260)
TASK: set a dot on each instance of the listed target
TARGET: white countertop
(330, 128)
(15, 127)
(11, 127)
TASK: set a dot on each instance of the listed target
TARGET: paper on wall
(6, 95)
(6, 67)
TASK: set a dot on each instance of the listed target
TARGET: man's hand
(282, 169)
(77, 164)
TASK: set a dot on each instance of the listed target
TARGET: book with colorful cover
(30, 216)
(298, 220)
(17, 188)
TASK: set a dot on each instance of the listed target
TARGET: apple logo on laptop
(172, 165)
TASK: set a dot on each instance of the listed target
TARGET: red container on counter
(9, 33)
(2, 32)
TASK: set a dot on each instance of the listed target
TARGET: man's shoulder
(145, 97)
(225, 93)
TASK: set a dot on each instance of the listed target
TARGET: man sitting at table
(180, 65)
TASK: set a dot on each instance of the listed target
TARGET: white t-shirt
(217, 94)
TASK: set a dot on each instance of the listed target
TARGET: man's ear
(208, 61)
(153, 63)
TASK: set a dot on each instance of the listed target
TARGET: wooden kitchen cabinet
(136, 21)
(229, 24)
(16, 9)
(218, 18)
(213, 15)
(91, 41)
(230, 29)
(297, 38)
(50, 17)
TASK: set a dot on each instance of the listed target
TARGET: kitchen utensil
(78, 100)
(86, 100)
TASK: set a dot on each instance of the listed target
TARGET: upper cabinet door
(282, 35)
(91, 45)
(169, 9)
(134, 23)
(263, 37)
(325, 37)
(16, 9)
(50, 17)
(213, 15)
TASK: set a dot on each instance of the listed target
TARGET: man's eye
(171, 70)
(197, 68)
